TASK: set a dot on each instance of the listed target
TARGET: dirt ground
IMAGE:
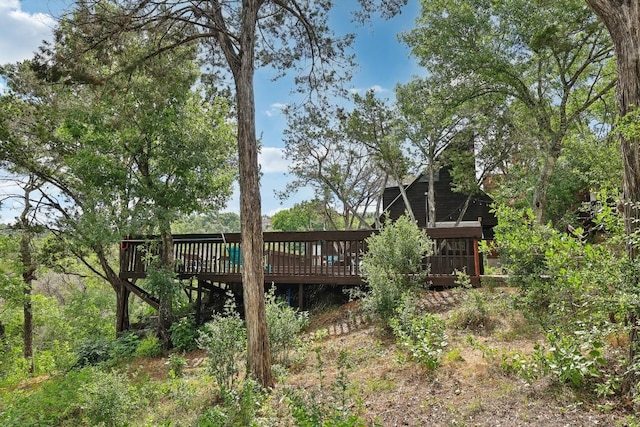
(469, 389)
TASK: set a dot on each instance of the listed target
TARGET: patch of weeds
(108, 399)
(422, 336)
(149, 346)
(453, 355)
(380, 384)
(48, 403)
(239, 408)
(473, 314)
(176, 364)
(473, 408)
(629, 421)
(328, 404)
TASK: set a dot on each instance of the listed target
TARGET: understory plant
(285, 324)
(394, 264)
(573, 288)
(422, 336)
(224, 338)
(328, 404)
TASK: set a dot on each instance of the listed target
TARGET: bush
(285, 323)
(149, 347)
(108, 399)
(184, 334)
(393, 264)
(93, 351)
(125, 346)
(224, 338)
(423, 336)
(48, 404)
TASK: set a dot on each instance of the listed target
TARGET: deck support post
(199, 303)
(301, 296)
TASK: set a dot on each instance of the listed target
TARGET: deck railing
(316, 257)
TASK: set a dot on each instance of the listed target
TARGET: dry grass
(387, 389)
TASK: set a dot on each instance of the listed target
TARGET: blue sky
(383, 63)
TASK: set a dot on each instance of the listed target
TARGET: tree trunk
(28, 276)
(542, 184)
(622, 18)
(405, 199)
(463, 211)
(122, 293)
(431, 197)
(122, 309)
(165, 295)
(252, 241)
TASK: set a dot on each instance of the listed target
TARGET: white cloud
(272, 160)
(375, 88)
(21, 33)
(275, 109)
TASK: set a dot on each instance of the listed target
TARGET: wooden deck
(318, 257)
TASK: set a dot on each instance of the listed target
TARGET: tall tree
(549, 57)
(237, 36)
(304, 216)
(129, 152)
(622, 18)
(373, 123)
(338, 168)
(429, 122)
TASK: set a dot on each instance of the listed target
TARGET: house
(449, 204)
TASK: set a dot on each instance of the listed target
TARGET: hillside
(348, 372)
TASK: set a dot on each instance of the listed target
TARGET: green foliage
(93, 351)
(125, 346)
(422, 336)
(184, 334)
(225, 340)
(327, 405)
(49, 404)
(393, 265)
(562, 279)
(303, 216)
(107, 399)
(576, 360)
(208, 222)
(239, 409)
(149, 346)
(285, 324)
(176, 365)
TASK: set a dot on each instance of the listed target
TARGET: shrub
(184, 334)
(393, 264)
(176, 365)
(285, 323)
(423, 336)
(107, 399)
(125, 346)
(224, 338)
(93, 351)
(149, 346)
